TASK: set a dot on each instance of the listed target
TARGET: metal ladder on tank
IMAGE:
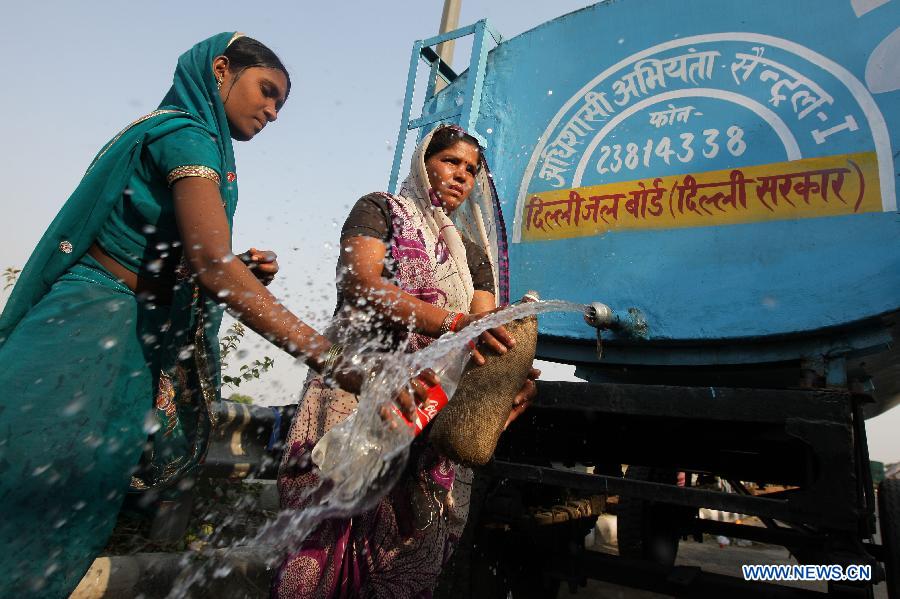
(464, 114)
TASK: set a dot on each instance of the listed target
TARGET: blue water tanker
(721, 176)
(718, 181)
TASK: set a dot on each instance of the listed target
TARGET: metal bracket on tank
(464, 114)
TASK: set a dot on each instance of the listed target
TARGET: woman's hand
(524, 396)
(349, 378)
(414, 394)
(262, 263)
(496, 339)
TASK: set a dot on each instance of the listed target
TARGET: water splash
(375, 457)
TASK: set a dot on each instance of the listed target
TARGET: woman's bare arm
(363, 261)
(483, 301)
(206, 239)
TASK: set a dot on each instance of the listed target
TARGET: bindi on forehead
(466, 153)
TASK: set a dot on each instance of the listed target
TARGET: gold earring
(219, 81)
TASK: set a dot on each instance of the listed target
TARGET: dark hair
(446, 137)
(246, 52)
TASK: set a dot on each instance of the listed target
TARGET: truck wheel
(889, 515)
(648, 530)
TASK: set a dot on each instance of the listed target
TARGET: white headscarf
(476, 218)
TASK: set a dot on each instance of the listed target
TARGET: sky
(76, 73)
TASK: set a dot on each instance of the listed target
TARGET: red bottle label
(425, 413)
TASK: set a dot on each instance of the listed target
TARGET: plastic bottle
(449, 369)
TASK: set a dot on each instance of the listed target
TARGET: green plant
(250, 371)
(228, 344)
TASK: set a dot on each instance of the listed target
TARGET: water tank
(726, 170)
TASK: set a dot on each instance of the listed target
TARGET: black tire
(648, 530)
(889, 516)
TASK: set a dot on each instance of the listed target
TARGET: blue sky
(75, 73)
(83, 71)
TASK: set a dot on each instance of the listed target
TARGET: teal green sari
(104, 391)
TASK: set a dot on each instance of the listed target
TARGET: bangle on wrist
(454, 326)
(448, 322)
(330, 360)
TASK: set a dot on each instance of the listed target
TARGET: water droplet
(154, 266)
(151, 422)
(108, 342)
(148, 229)
(162, 245)
(93, 441)
(113, 446)
(74, 407)
(222, 571)
(41, 469)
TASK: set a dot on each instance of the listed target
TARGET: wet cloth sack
(468, 428)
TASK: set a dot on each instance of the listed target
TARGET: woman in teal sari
(109, 337)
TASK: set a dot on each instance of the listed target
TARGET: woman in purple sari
(413, 266)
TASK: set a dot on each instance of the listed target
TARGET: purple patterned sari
(398, 548)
